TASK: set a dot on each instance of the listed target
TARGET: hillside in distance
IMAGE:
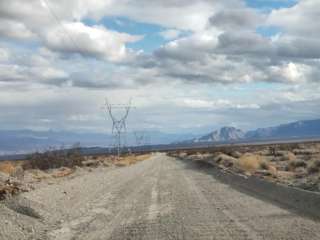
(24, 141)
(299, 129)
(296, 130)
(224, 134)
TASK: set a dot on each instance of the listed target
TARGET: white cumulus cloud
(95, 41)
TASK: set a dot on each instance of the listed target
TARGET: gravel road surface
(159, 198)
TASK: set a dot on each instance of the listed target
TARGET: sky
(187, 65)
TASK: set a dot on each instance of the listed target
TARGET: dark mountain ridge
(296, 130)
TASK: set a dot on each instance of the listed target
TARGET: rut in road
(160, 198)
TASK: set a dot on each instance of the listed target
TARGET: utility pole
(119, 126)
(140, 137)
(140, 140)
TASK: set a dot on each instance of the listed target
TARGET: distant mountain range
(24, 141)
(224, 134)
(296, 130)
(21, 141)
(300, 129)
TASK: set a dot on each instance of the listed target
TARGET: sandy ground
(160, 198)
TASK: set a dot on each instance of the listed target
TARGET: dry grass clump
(182, 154)
(250, 162)
(9, 188)
(264, 152)
(285, 176)
(63, 172)
(273, 170)
(18, 173)
(256, 164)
(39, 175)
(91, 163)
(305, 151)
(198, 156)
(287, 156)
(98, 160)
(224, 160)
(235, 154)
(290, 156)
(314, 167)
(264, 165)
(131, 159)
(12, 168)
(298, 163)
(176, 154)
(189, 153)
(7, 167)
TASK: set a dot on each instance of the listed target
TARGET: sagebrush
(55, 159)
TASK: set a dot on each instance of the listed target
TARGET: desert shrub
(55, 159)
(283, 147)
(305, 151)
(249, 162)
(291, 157)
(224, 159)
(18, 173)
(173, 154)
(7, 167)
(217, 157)
(293, 146)
(95, 157)
(264, 165)
(273, 170)
(296, 164)
(182, 154)
(286, 156)
(288, 146)
(314, 167)
(235, 154)
(189, 153)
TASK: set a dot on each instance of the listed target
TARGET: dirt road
(160, 198)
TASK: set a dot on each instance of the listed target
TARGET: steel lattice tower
(119, 126)
(139, 137)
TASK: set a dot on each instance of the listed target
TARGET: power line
(140, 138)
(119, 126)
(58, 21)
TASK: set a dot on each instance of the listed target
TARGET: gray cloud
(270, 114)
(16, 30)
(238, 53)
(298, 47)
(236, 19)
(53, 25)
(300, 20)
(244, 43)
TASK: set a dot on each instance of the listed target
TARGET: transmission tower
(140, 137)
(119, 126)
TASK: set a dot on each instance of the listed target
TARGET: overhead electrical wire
(59, 22)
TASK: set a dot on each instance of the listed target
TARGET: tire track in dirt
(198, 218)
(236, 228)
(261, 217)
(106, 212)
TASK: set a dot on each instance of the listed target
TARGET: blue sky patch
(268, 31)
(268, 5)
(151, 40)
